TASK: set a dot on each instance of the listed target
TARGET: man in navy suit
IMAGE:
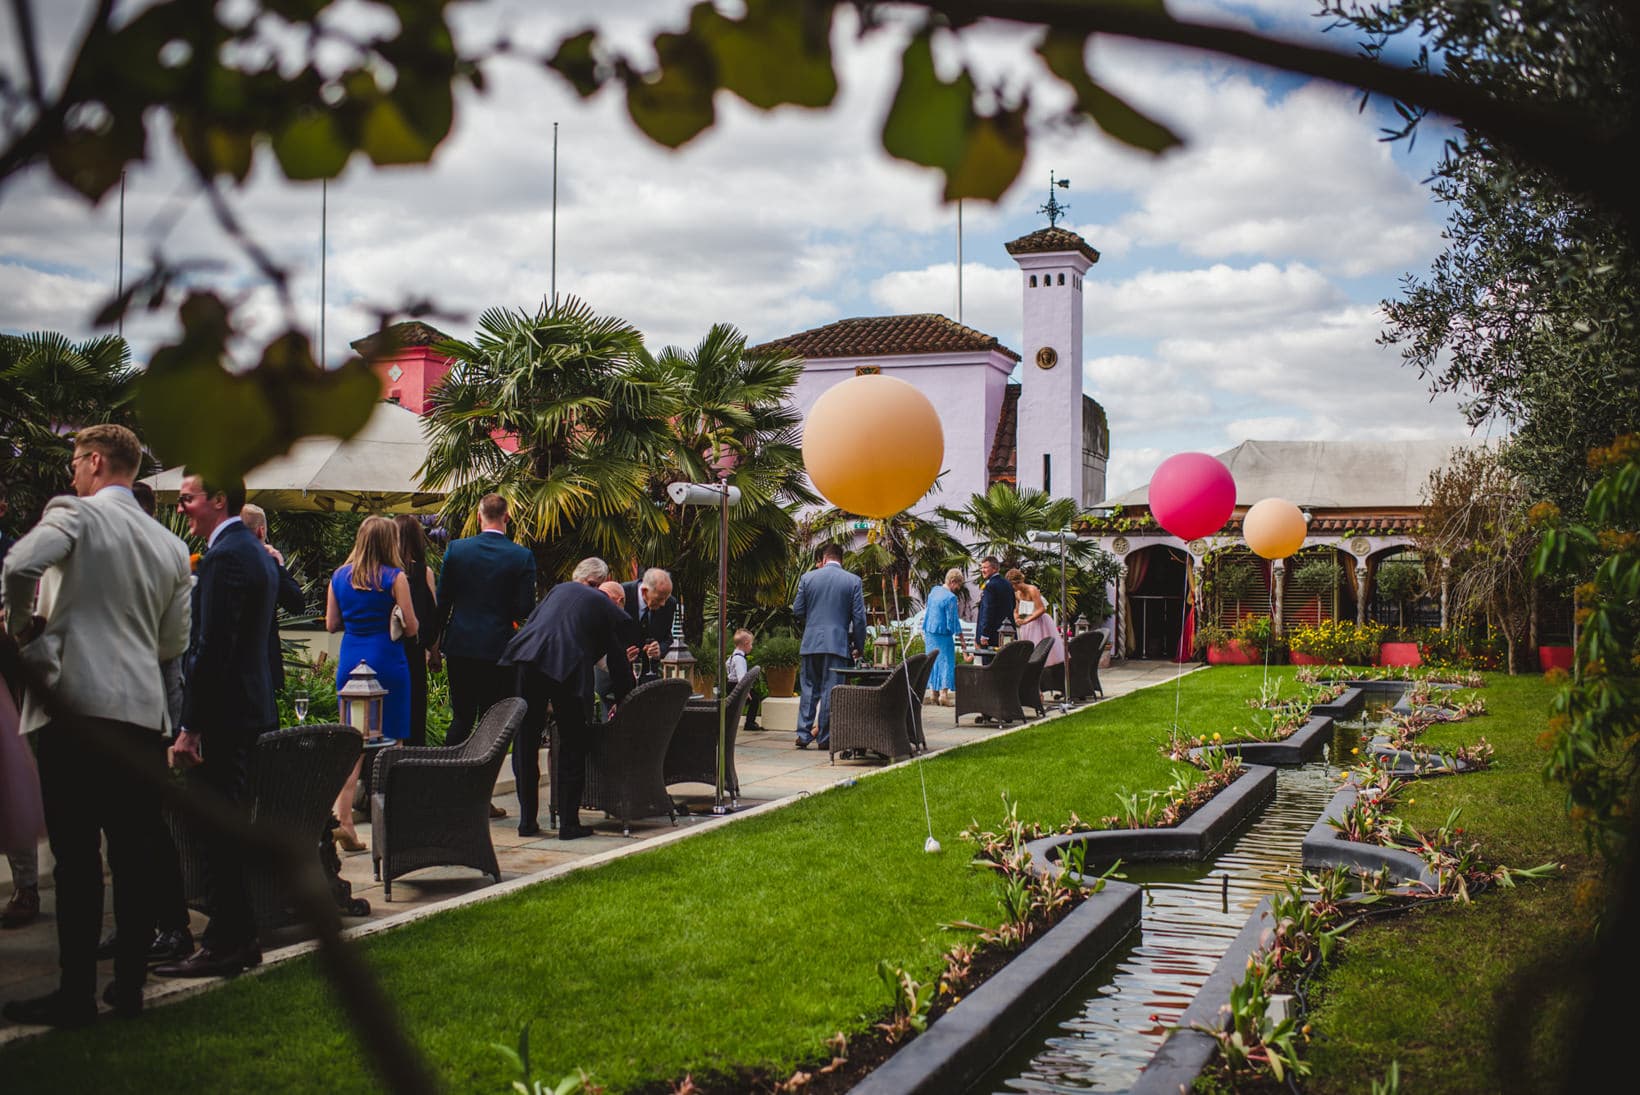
(832, 606)
(652, 608)
(555, 651)
(996, 603)
(227, 703)
(487, 586)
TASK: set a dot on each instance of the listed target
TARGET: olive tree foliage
(1530, 312)
(1476, 518)
(300, 81)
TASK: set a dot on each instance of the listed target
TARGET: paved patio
(772, 773)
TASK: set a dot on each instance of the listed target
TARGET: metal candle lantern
(1006, 633)
(1081, 625)
(678, 663)
(360, 700)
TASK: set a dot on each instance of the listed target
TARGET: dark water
(1107, 1028)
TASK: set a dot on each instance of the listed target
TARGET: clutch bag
(395, 625)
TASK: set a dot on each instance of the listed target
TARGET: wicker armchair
(1030, 682)
(626, 766)
(430, 806)
(992, 690)
(875, 716)
(1084, 652)
(294, 777)
(920, 672)
(692, 755)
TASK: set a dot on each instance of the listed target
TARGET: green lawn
(1440, 989)
(749, 945)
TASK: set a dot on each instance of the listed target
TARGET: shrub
(1256, 636)
(1338, 642)
(777, 652)
(1211, 636)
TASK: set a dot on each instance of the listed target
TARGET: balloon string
(1271, 641)
(1184, 618)
(905, 648)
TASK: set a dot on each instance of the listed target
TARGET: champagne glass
(299, 702)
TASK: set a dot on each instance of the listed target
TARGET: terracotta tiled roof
(888, 336)
(1002, 467)
(1049, 240)
(398, 337)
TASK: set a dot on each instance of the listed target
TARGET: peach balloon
(873, 445)
(1274, 528)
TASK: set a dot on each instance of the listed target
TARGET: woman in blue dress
(941, 626)
(363, 593)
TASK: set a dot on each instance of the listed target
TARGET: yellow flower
(1412, 802)
(1215, 736)
(1355, 752)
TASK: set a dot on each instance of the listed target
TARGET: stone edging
(1347, 706)
(968, 1039)
(1325, 846)
(1301, 745)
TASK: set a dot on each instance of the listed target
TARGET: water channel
(1106, 1030)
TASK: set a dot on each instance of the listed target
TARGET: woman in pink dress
(1031, 616)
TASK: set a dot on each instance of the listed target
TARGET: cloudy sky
(1237, 296)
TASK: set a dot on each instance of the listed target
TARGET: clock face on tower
(1047, 357)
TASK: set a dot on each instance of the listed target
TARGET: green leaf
(774, 55)
(387, 136)
(223, 424)
(674, 104)
(1063, 53)
(576, 62)
(928, 120)
(310, 146)
(992, 156)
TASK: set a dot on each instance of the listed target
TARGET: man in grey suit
(832, 606)
(120, 608)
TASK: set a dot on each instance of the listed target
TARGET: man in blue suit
(996, 604)
(832, 606)
(486, 588)
(228, 702)
(574, 625)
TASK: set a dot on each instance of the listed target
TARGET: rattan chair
(992, 690)
(626, 764)
(1084, 652)
(1030, 682)
(430, 806)
(875, 717)
(293, 778)
(692, 755)
(920, 673)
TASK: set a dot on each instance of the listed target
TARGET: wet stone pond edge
(958, 1048)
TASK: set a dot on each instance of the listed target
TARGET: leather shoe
(753, 727)
(208, 963)
(176, 944)
(53, 1010)
(127, 1005)
(497, 811)
(804, 743)
(109, 945)
(529, 830)
(22, 909)
(574, 832)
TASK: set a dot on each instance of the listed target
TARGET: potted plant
(1399, 650)
(779, 656)
(1257, 639)
(1555, 657)
(1220, 646)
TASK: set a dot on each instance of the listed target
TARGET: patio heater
(721, 495)
(1061, 538)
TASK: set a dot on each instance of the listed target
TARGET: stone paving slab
(772, 773)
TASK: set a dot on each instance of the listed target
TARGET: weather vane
(1055, 208)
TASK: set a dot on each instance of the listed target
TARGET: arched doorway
(1320, 586)
(1402, 594)
(1155, 594)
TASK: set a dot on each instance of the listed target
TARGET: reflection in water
(1101, 1037)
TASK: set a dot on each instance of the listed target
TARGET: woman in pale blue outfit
(941, 626)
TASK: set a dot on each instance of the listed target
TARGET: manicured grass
(1442, 989)
(749, 945)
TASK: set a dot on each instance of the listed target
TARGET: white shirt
(218, 530)
(735, 666)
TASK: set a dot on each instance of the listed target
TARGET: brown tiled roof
(1002, 466)
(1373, 524)
(399, 336)
(888, 336)
(1049, 240)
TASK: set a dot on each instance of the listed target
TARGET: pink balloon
(1192, 495)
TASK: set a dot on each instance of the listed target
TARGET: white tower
(1061, 445)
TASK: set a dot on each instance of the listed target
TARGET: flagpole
(555, 214)
(959, 260)
(324, 219)
(119, 275)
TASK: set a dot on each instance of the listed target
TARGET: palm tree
(558, 413)
(50, 387)
(903, 556)
(733, 415)
(1001, 521)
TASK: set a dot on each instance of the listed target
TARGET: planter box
(782, 680)
(1307, 659)
(1555, 657)
(1399, 654)
(1232, 654)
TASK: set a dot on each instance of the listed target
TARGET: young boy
(734, 668)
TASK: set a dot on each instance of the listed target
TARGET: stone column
(1446, 589)
(1118, 631)
(1278, 571)
(1362, 593)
